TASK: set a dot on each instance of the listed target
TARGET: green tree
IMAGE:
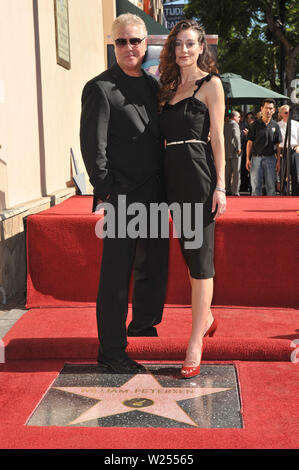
(258, 39)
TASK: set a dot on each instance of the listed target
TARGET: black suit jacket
(119, 133)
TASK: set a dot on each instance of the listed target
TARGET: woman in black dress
(192, 118)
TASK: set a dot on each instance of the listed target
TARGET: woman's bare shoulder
(215, 81)
(214, 86)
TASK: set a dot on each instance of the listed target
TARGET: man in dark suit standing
(123, 154)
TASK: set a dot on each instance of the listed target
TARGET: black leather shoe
(122, 365)
(150, 331)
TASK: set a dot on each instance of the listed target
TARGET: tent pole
(283, 168)
(288, 162)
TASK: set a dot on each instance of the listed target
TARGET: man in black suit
(123, 154)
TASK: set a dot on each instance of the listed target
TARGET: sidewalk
(10, 312)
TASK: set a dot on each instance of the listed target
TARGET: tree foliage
(256, 37)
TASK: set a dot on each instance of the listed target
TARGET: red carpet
(256, 303)
(269, 393)
(71, 333)
(256, 255)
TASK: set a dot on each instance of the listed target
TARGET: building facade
(49, 50)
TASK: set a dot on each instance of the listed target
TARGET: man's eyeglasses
(122, 42)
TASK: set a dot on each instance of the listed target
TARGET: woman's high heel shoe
(191, 371)
(188, 372)
(211, 331)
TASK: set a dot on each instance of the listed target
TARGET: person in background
(245, 175)
(249, 119)
(232, 140)
(263, 151)
(283, 115)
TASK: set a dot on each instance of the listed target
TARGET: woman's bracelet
(220, 189)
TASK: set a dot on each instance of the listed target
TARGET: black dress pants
(148, 259)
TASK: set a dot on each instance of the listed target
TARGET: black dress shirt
(265, 137)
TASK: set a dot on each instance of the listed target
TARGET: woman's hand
(219, 201)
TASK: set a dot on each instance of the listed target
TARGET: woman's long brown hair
(169, 70)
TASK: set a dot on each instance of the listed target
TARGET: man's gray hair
(234, 114)
(127, 19)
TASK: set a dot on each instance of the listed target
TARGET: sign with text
(173, 14)
(62, 33)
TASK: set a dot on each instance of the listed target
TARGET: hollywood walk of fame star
(142, 392)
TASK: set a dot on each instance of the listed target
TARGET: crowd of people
(254, 146)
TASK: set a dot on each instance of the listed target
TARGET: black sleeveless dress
(190, 174)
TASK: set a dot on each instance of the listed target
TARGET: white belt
(186, 142)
